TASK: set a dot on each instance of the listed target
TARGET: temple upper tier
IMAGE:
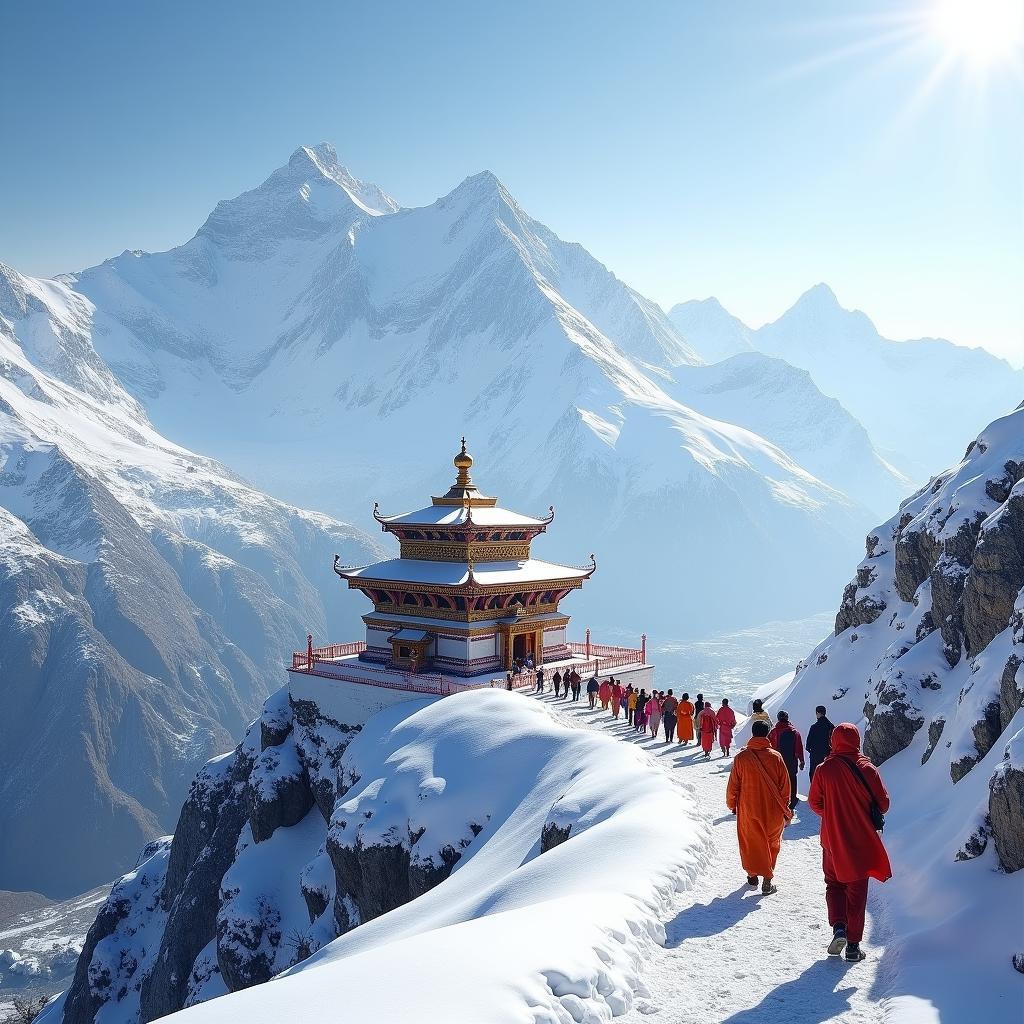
(465, 596)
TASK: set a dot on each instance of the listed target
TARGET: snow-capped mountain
(711, 329)
(148, 598)
(330, 346)
(927, 657)
(917, 399)
(341, 853)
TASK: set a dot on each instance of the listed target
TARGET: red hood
(845, 739)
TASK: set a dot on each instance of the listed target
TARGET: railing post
(588, 643)
(309, 652)
(643, 648)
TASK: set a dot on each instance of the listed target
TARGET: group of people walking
(846, 790)
(567, 686)
(662, 713)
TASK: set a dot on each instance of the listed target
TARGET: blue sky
(741, 149)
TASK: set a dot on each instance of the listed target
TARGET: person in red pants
(844, 787)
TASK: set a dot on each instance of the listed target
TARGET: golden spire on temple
(464, 492)
(463, 463)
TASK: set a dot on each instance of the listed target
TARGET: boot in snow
(854, 954)
(768, 887)
(838, 943)
(752, 880)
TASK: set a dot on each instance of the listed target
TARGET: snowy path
(733, 955)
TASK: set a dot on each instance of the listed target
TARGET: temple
(463, 603)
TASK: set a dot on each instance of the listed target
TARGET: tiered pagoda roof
(465, 558)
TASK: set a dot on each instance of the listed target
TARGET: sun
(981, 33)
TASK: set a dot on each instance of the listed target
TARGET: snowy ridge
(511, 876)
(926, 658)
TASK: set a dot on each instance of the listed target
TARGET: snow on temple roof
(453, 574)
(449, 515)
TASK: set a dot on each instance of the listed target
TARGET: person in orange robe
(684, 720)
(707, 722)
(726, 723)
(758, 794)
(605, 693)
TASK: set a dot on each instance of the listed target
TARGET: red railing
(608, 656)
(300, 659)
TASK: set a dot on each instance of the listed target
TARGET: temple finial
(463, 462)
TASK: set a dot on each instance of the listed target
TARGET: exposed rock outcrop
(935, 728)
(1011, 688)
(996, 574)
(892, 723)
(113, 964)
(1006, 808)
(206, 853)
(553, 835)
(279, 794)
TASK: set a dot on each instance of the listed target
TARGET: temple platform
(349, 690)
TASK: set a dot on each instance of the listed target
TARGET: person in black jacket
(819, 739)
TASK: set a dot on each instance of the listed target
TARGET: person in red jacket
(786, 740)
(852, 852)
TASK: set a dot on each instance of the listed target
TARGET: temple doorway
(522, 645)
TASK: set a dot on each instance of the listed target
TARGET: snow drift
(926, 656)
(472, 837)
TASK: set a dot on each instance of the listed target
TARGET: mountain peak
(322, 161)
(820, 296)
(323, 157)
(481, 187)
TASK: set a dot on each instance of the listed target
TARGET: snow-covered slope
(917, 399)
(782, 403)
(462, 859)
(927, 653)
(147, 600)
(311, 334)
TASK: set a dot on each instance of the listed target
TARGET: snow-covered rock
(148, 598)
(437, 855)
(926, 657)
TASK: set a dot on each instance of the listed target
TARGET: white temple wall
(485, 646)
(452, 647)
(554, 636)
(378, 637)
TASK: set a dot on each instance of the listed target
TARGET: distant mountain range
(331, 347)
(916, 399)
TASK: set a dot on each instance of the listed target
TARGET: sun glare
(980, 32)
